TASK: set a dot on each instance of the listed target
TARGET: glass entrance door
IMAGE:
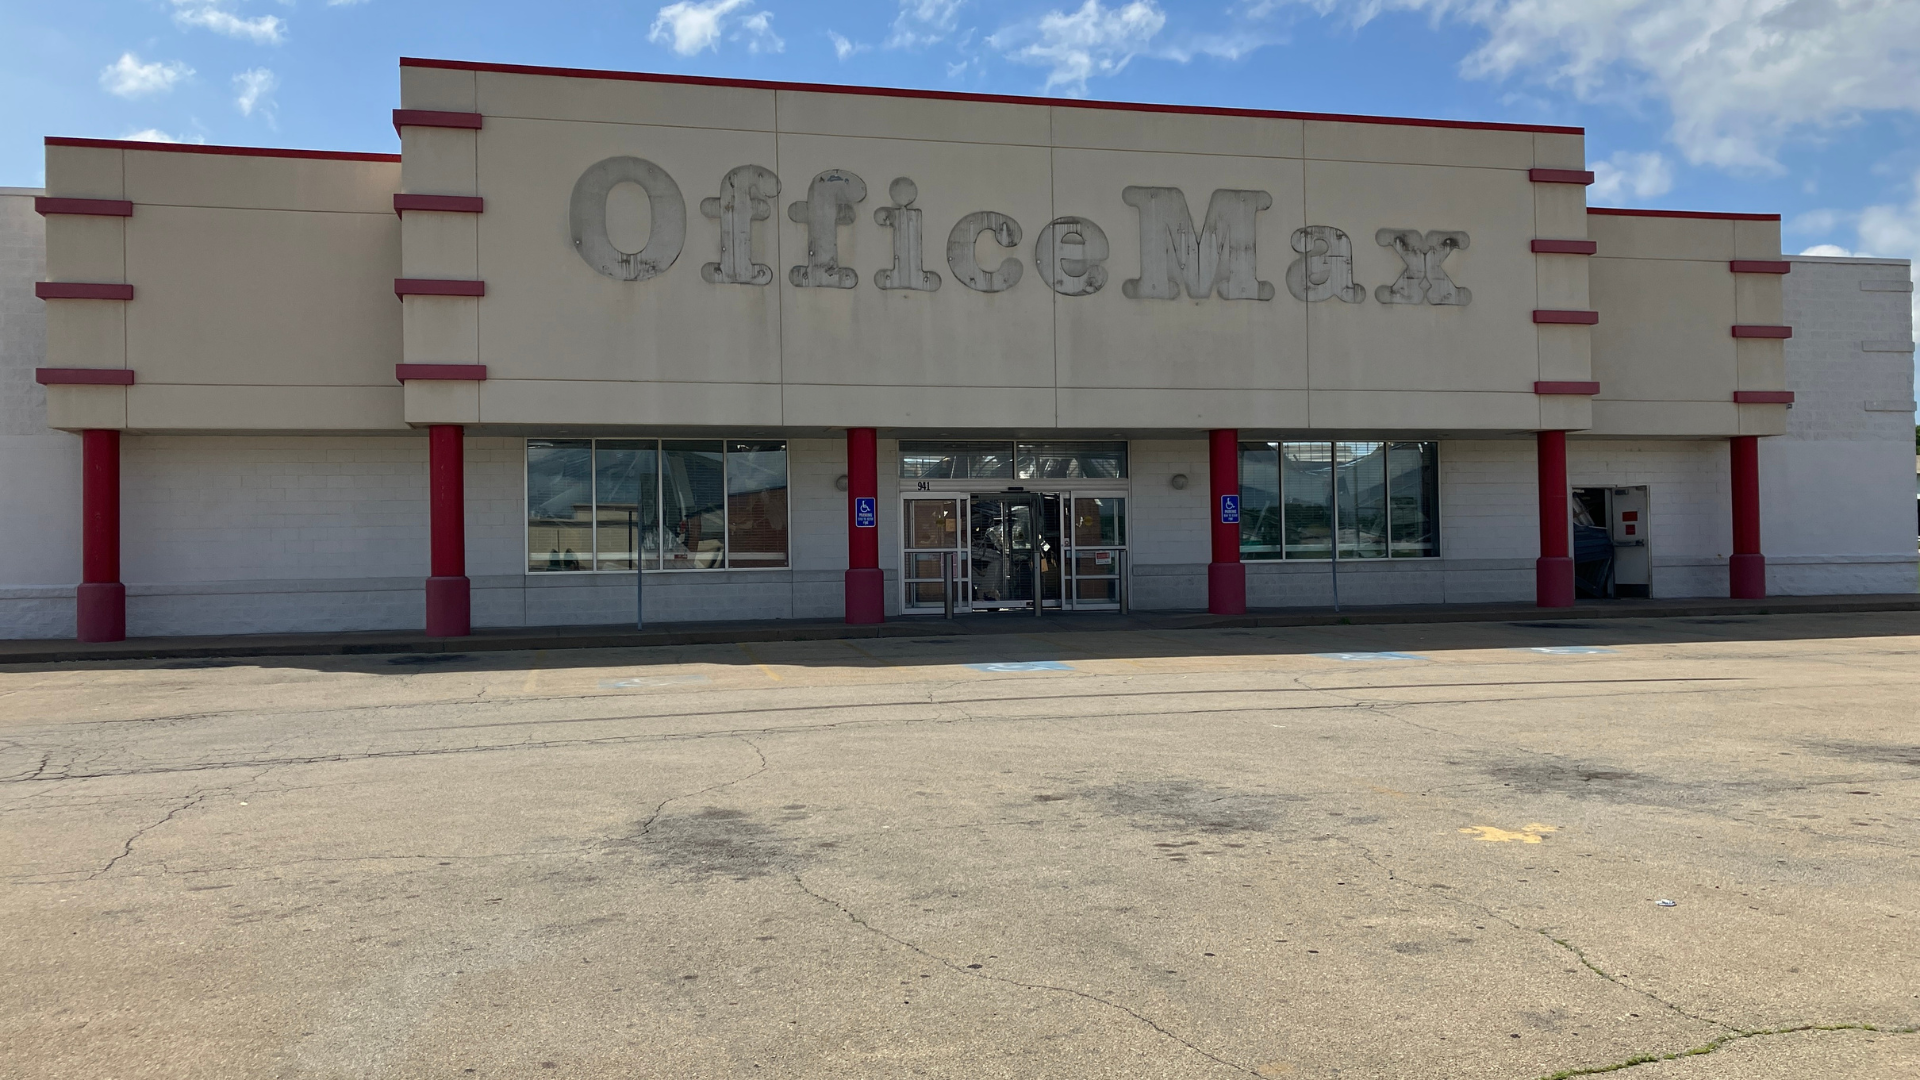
(1012, 538)
(1097, 552)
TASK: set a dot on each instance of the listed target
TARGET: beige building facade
(839, 352)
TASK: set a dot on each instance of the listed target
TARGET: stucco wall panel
(1560, 211)
(441, 330)
(439, 89)
(436, 402)
(83, 248)
(1566, 353)
(440, 161)
(1557, 150)
(1561, 282)
(1757, 299)
(245, 182)
(87, 172)
(1431, 410)
(907, 118)
(77, 408)
(815, 406)
(1664, 332)
(86, 333)
(1657, 418)
(163, 407)
(1182, 133)
(621, 101)
(1339, 140)
(1090, 408)
(440, 245)
(1756, 239)
(1637, 237)
(533, 401)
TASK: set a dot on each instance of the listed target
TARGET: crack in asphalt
(126, 849)
(646, 827)
(961, 969)
(1711, 1045)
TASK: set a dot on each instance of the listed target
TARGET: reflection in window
(1387, 493)
(625, 502)
(693, 499)
(757, 504)
(1072, 461)
(1004, 461)
(956, 460)
(559, 504)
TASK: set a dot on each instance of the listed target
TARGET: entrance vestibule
(992, 547)
(1611, 557)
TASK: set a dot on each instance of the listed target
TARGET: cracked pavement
(1190, 854)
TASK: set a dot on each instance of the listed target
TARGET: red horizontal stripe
(1763, 397)
(81, 376)
(451, 204)
(434, 118)
(1763, 331)
(1564, 247)
(438, 287)
(1615, 211)
(81, 290)
(225, 151)
(46, 207)
(1559, 176)
(1568, 318)
(441, 372)
(944, 95)
(1760, 266)
(1587, 388)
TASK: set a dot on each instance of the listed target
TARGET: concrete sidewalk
(516, 639)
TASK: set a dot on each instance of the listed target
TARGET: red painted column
(1747, 570)
(1226, 574)
(866, 584)
(100, 603)
(1553, 573)
(449, 593)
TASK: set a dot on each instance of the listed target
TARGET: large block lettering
(744, 199)
(1069, 253)
(829, 204)
(904, 220)
(1423, 279)
(1221, 256)
(587, 218)
(1324, 269)
(966, 269)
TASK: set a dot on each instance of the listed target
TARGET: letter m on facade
(1220, 256)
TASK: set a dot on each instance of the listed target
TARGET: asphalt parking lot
(1477, 851)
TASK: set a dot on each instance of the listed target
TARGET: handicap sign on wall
(1229, 509)
(864, 512)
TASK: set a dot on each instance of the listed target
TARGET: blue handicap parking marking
(1369, 656)
(1023, 665)
(1566, 650)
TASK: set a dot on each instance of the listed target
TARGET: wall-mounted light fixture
(840, 482)
(1179, 481)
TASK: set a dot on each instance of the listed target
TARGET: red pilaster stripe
(1566, 318)
(82, 376)
(47, 206)
(1559, 176)
(1584, 389)
(1763, 397)
(440, 372)
(448, 204)
(1565, 247)
(81, 290)
(1763, 331)
(431, 118)
(1760, 266)
(438, 287)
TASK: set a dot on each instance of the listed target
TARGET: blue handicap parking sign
(1229, 509)
(865, 511)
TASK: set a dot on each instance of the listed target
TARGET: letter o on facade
(966, 269)
(587, 215)
(1069, 251)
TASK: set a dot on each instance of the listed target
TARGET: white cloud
(842, 48)
(1094, 40)
(156, 135)
(210, 15)
(1829, 251)
(1895, 231)
(1630, 176)
(1739, 76)
(690, 28)
(129, 78)
(923, 22)
(253, 92)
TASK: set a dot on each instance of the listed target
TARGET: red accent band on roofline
(946, 95)
(435, 118)
(226, 151)
(438, 287)
(440, 372)
(81, 376)
(1616, 211)
(450, 204)
(1587, 389)
(1565, 247)
(1565, 318)
(47, 206)
(1763, 397)
(82, 290)
(1760, 266)
(1763, 331)
(1560, 176)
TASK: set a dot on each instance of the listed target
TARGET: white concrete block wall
(1689, 522)
(1170, 543)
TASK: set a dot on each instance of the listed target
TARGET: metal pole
(947, 585)
(1121, 582)
(1039, 537)
(1333, 488)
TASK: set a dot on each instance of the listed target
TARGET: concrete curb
(517, 639)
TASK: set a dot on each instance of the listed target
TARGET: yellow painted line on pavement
(1528, 834)
(533, 671)
(764, 669)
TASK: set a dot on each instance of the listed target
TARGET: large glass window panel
(756, 504)
(1362, 480)
(956, 460)
(559, 504)
(626, 502)
(933, 524)
(1306, 491)
(1072, 461)
(1099, 522)
(1413, 492)
(693, 496)
(1260, 527)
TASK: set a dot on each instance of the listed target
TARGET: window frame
(659, 500)
(1333, 445)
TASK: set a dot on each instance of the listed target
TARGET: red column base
(100, 612)
(1747, 577)
(1227, 588)
(449, 607)
(1553, 581)
(866, 596)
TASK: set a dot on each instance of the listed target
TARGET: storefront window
(1007, 461)
(956, 460)
(1072, 461)
(1387, 497)
(682, 504)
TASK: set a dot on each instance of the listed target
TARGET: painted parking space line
(1370, 656)
(1023, 665)
(1567, 650)
(649, 682)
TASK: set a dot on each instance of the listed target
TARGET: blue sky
(1808, 108)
